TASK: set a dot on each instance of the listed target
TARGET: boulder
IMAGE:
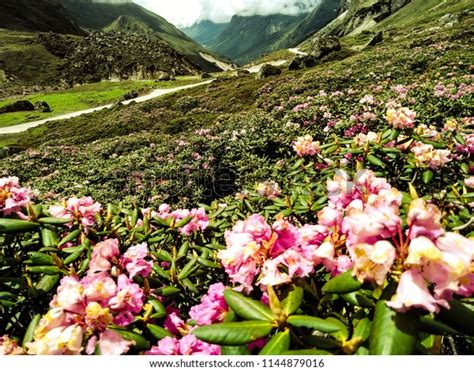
(268, 70)
(324, 45)
(302, 61)
(206, 75)
(42, 106)
(164, 76)
(242, 73)
(377, 39)
(130, 95)
(21, 105)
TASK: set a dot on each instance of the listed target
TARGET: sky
(183, 13)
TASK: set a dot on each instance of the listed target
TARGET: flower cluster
(268, 189)
(9, 347)
(187, 345)
(272, 254)
(12, 196)
(305, 146)
(83, 310)
(401, 118)
(427, 156)
(80, 210)
(199, 221)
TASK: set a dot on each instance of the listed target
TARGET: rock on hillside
(359, 15)
(119, 55)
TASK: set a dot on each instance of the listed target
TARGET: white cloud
(187, 12)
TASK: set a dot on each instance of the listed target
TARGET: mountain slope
(205, 32)
(360, 15)
(98, 16)
(36, 16)
(246, 38)
(323, 14)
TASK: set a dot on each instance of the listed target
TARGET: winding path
(154, 94)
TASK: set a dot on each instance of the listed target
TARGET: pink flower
(173, 323)
(70, 295)
(268, 190)
(127, 301)
(102, 256)
(188, 345)
(412, 292)
(134, 261)
(401, 118)
(305, 146)
(12, 197)
(111, 344)
(58, 341)
(373, 262)
(424, 220)
(287, 237)
(199, 222)
(82, 210)
(212, 308)
(99, 287)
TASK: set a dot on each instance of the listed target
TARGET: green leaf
(38, 258)
(30, 331)
(358, 298)
(247, 308)
(315, 323)
(432, 326)
(241, 350)
(233, 333)
(158, 307)
(48, 282)
(293, 300)
(188, 269)
(46, 270)
(342, 284)
(71, 236)
(460, 316)
(140, 343)
(167, 291)
(49, 237)
(362, 329)
(427, 176)
(158, 332)
(16, 226)
(277, 345)
(392, 333)
(54, 221)
(375, 161)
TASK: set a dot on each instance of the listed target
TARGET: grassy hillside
(36, 16)
(83, 97)
(206, 32)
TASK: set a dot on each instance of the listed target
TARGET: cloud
(187, 12)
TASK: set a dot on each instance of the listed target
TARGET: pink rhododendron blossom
(70, 295)
(82, 210)
(134, 261)
(268, 190)
(110, 344)
(58, 341)
(102, 256)
(212, 308)
(305, 146)
(402, 118)
(174, 323)
(373, 262)
(128, 300)
(13, 197)
(412, 292)
(427, 156)
(424, 220)
(188, 345)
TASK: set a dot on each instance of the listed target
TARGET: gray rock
(377, 39)
(242, 73)
(42, 106)
(324, 45)
(206, 75)
(268, 70)
(130, 95)
(21, 105)
(302, 61)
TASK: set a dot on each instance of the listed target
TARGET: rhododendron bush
(370, 270)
